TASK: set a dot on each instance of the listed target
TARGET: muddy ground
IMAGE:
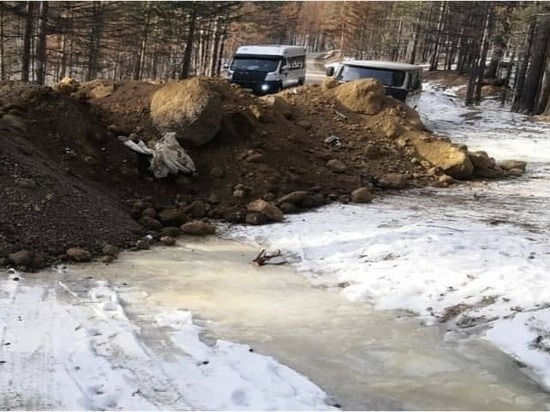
(67, 181)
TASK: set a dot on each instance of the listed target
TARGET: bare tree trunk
(2, 48)
(41, 52)
(138, 73)
(537, 61)
(504, 96)
(96, 33)
(27, 43)
(214, 63)
(186, 61)
(484, 51)
(522, 68)
(435, 53)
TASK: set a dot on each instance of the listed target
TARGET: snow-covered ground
(476, 256)
(68, 344)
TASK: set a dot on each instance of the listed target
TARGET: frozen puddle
(364, 358)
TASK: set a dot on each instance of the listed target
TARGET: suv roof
(381, 64)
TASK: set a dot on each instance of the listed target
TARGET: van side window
(415, 82)
(296, 63)
(284, 64)
(398, 78)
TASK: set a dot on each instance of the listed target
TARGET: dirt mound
(69, 181)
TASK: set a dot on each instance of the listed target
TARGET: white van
(268, 69)
(402, 81)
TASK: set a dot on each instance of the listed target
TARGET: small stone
(142, 244)
(362, 195)
(171, 231)
(254, 158)
(107, 259)
(513, 164)
(78, 254)
(256, 218)
(110, 250)
(217, 172)
(149, 212)
(515, 172)
(271, 211)
(167, 241)
(336, 166)
(198, 228)
(150, 224)
(239, 194)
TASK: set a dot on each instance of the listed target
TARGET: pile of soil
(67, 180)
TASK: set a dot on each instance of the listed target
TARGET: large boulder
(452, 159)
(191, 108)
(365, 96)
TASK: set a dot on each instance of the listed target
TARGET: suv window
(387, 77)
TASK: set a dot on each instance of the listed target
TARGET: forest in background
(500, 43)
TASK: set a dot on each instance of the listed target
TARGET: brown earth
(68, 181)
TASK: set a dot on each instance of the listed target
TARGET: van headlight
(265, 87)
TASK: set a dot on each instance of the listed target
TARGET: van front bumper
(260, 88)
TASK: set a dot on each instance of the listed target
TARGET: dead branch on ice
(264, 258)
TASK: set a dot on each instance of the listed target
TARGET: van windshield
(255, 64)
(387, 77)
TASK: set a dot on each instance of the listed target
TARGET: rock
(372, 152)
(198, 228)
(446, 179)
(256, 112)
(515, 172)
(197, 209)
(14, 122)
(142, 244)
(288, 208)
(167, 241)
(77, 254)
(149, 212)
(364, 96)
(239, 193)
(278, 105)
(450, 158)
(173, 217)
(294, 198)
(217, 172)
(254, 158)
(336, 166)
(97, 89)
(150, 224)
(171, 231)
(4, 261)
(329, 83)
(67, 85)
(393, 181)
(21, 258)
(362, 195)
(254, 218)
(107, 259)
(110, 250)
(266, 208)
(513, 164)
(304, 124)
(191, 108)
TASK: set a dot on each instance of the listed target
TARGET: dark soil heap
(67, 181)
